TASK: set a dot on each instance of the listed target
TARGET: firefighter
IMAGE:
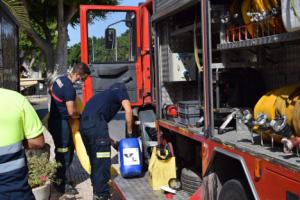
(19, 127)
(99, 110)
(62, 107)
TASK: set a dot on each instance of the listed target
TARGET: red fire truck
(195, 71)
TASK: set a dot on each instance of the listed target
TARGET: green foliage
(75, 19)
(28, 49)
(124, 46)
(103, 55)
(41, 170)
(74, 54)
(19, 11)
(42, 26)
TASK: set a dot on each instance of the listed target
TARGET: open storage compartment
(249, 59)
(257, 56)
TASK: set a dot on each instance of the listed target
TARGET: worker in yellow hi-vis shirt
(19, 127)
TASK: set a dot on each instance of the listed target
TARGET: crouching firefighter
(62, 107)
(20, 127)
(99, 110)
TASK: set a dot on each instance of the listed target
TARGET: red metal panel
(275, 180)
(145, 53)
(180, 130)
(198, 194)
(205, 65)
(118, 190)
(87, 88)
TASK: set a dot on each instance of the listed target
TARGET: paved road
(76, 172)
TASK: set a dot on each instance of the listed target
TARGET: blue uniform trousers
(94, 132)
(14, 185)
(25, 194)
(64, 147)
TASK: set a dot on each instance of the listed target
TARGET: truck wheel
(233, 190)
(190, 181)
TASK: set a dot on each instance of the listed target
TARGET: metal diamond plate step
(139, 188)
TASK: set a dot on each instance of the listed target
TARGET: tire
(233, 190)
(190, 181)
(188, 186)
(190, 175)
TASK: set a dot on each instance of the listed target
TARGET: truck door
(110, 45)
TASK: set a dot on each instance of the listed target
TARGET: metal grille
(139, 188)
(163, 35)
(171, 5)
(182, 91)
(282, 66)
(242, 140)
(163, 4)
(278, 65)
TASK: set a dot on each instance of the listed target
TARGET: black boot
(66, 189)
(69, 189)
(96, 197)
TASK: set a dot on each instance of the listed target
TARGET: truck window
(123, 46)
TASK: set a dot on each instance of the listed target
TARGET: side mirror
(130, 16)
(110, 38)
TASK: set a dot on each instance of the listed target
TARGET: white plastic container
(290, 16)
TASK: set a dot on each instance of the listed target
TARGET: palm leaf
(18, 9)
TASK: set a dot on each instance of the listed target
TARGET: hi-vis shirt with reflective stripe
(18, 119)
(10, 157)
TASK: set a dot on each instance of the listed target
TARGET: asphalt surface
(76, 173)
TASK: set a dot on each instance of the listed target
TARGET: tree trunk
(61, 49)
(56, 57)
(49, 57)
(46, 48)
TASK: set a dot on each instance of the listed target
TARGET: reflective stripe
(10, 149)
(12, 165)
(103, 155)
(63, 150)
(56, 98)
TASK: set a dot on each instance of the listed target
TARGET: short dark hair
(81, 68)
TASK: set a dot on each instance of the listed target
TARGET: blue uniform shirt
(107, 103)
(63, 90)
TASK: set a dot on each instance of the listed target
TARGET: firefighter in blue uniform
(99, 110)
(19, 127)
(62, 107)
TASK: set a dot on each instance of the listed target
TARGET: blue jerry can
(130, 157)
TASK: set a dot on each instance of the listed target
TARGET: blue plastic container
(130, 157)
